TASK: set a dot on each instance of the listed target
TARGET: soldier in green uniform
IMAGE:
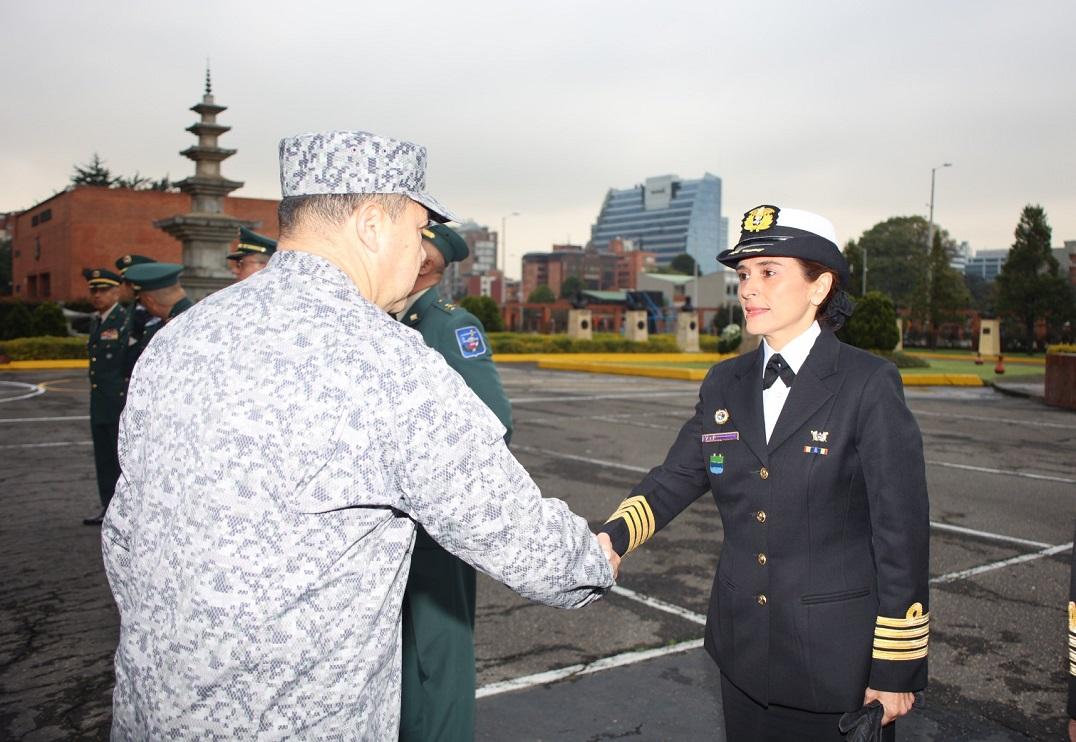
(159, 290)
(138, 318)
(438, 686)
(106, 349)
(252, 253)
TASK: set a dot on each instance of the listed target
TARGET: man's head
(158, 286)
(441, 245)
(359, 200)
(127, 293)
(104, 287)
(251, 255)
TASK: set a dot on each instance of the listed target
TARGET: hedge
(902, 360)
(44, 348)
(1061, 348)
(513, 342)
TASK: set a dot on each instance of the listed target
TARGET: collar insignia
(759, 219)
(820, 436)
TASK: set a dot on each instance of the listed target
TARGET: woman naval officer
(820, 602)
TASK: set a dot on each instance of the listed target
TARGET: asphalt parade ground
(1002, 478)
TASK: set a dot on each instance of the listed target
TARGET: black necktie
(777, 367)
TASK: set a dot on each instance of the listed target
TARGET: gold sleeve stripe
(902, 633)
(636, 513)
(892, 644)
(914, 617)
(1072, 615)
(898, 656)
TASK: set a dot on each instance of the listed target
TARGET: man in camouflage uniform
(106, 349)
(438, 688)
(260, 596)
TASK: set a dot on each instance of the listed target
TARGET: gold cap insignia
(96, 274)
(428, 234)
(126, 259)
(759, 219)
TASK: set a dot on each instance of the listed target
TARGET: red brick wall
(90, 227)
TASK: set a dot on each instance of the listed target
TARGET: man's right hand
(610, 553)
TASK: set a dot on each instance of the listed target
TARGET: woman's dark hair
(835, 308)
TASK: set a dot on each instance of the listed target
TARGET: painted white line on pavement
(644, 470)
(42, 419)
(1003, 472)
(987, 535)
(35, 390)
(660, 605)
(606, 663)
(953, 576)
(996, 420)
(48, 445)
(589, 397)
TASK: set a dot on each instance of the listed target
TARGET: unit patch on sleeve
(471, 342)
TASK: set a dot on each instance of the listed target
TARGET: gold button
(760, 516)
(761, 599)
(762, 559)
(764, 473)
(94, 386)
(94, 358)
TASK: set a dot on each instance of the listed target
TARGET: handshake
(610, 553)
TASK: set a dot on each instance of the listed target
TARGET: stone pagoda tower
(206, 232)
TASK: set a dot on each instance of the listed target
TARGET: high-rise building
(482, 260)
(667, 216)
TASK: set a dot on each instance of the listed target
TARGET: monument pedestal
(687, 332)
(580, 324)
(635, 328)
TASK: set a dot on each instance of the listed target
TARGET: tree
(943, 292)
(854, 255)
(135, 182)
(48, 320)
(487, 311)
(94, 173)
(542, 295)
(1029, 286)
(684, 264)
(571, 285)
(873, 324)
(983, 295)
(896, 258)
(18, 323)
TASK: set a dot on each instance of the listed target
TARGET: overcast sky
(840, 107)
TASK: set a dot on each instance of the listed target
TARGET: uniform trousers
(106, 458)
(746, 720)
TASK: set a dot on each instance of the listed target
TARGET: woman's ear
(820, 289)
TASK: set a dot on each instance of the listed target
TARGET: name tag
(732, 435)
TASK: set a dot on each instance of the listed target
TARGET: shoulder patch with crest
(471, 342)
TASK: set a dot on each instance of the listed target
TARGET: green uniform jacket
(107, 351)
(438, 685)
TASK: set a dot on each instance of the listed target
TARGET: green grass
(985, 371)
(968, 353)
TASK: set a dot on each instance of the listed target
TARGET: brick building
(614, 269)
(91, 226)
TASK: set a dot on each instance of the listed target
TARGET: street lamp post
(930, 247)
(930, 222)
(502, 253)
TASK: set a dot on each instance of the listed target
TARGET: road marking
(606, 663)
(48, 445)
(938, 526)
(35, 390)
(996, 420)
(590, 397)
(987, 535)
(953, 576)
(1003, 472)
(660, 605)
(42, 419)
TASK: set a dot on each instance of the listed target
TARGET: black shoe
(95, 520)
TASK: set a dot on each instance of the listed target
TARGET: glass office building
(667, 216)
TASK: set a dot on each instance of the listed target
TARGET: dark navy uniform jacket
(1072, 637)
(107, 349)
(822, 585)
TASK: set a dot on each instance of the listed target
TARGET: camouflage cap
(353, 162)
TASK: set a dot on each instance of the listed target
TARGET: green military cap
(252, 243)
(448, 241)
(122, 264)
(151, 276)
(101, 277)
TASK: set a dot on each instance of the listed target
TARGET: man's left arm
(468, 352)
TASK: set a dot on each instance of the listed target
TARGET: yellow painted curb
(45, 365)
(623, 369)
(941, 380)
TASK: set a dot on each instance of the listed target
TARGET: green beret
(122, 264)
(448, 241)
(152, 276)
(251, 242)
(101, 277)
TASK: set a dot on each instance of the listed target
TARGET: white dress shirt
(794, 353)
